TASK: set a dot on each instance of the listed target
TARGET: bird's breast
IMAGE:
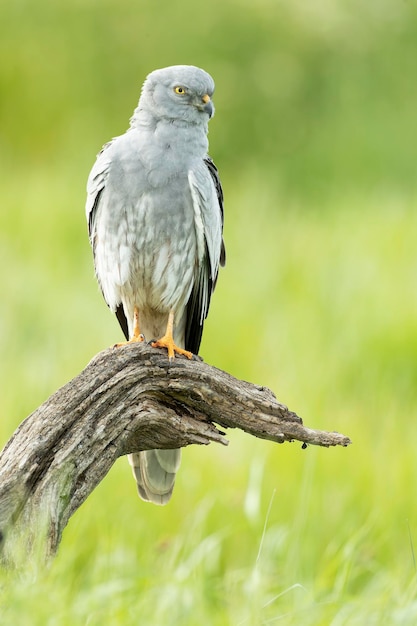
(146, 253)
(163, 254)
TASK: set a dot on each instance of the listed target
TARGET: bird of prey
(155, 217)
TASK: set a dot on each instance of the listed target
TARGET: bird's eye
(179, 90)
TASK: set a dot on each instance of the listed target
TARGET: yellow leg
(137, 335)
(167, 341)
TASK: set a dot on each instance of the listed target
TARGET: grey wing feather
(95, 187)
(208, 203)
(214, 173)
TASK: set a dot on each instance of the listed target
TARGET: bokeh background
(315, 138)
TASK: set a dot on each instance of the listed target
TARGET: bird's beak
(207, 106)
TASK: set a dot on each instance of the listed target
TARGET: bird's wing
(214, 173)
(207, 195)
(95, 188)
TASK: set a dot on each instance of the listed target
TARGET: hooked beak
(207, 105)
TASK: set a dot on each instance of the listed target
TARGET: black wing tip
(193, 338)
(121, 318)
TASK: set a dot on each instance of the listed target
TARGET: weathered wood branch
(126, 400)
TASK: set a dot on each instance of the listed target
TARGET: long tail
(154, 472)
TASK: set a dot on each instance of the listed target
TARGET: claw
(167, 341)
(138, 337)
(135, 339)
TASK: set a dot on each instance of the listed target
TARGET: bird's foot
(167, 342)
(137, 338)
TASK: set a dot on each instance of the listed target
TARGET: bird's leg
(137, 335)
(167, 341)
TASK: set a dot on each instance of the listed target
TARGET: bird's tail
(154, 472)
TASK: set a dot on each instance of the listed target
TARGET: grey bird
(155, 218)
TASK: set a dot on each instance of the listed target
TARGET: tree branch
(125, 400)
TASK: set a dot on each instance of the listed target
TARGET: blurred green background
(315, 139)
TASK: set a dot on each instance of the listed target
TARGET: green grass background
(315, 138)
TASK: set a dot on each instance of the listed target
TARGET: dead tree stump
(125, 400)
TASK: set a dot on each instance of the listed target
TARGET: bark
(125, 400)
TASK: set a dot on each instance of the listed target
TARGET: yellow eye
(179, 90)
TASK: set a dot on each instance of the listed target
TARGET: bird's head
(180, 92)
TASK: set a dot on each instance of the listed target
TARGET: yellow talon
(167, 341)
(137, 337)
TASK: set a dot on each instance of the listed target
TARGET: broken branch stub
(126, 400)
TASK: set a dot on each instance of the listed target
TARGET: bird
(155, 220)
